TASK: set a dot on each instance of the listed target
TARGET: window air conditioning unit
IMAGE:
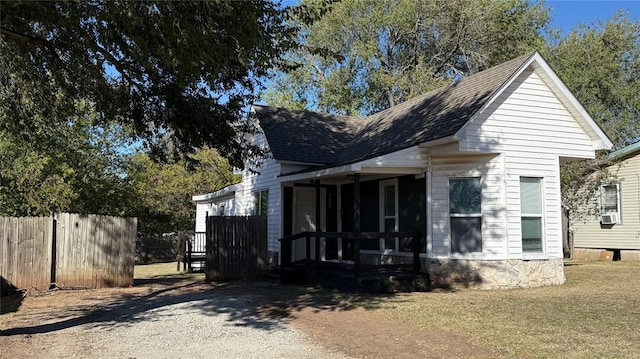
(609, 218)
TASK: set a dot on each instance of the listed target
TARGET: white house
(474, 166)
(615, 223)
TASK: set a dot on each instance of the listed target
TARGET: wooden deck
(352, 276)
(341, 276)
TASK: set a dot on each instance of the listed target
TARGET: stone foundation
(586, 254)
(594, 254)
(630, 255)
(483, 274)
(499, 274)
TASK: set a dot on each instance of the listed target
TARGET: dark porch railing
(287, 244)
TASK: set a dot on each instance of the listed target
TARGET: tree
(163, 190)
(73, 167)
(600, 64)
(365, 56)
(177, 71)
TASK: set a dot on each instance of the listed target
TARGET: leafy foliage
(163, 190)
(181, 72)
(74, 166)
(600, 63)
(365, 56)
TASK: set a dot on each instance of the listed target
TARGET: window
(531, 214)
(260, 202)
(610, 198)
(465, 198)
(389, 212)
(221, 210)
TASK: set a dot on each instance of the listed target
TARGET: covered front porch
(355, 230)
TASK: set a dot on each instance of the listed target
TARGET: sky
(566, 14)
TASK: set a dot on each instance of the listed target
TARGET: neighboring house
(474, 166)
(615, 223)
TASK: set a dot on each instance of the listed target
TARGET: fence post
(54, 253)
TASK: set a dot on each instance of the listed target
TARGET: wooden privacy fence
(69, 250)
(236, 247)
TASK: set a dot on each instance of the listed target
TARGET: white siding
(531, 126)
(202, 208)
(412, 157)
(212, 208)
(587, 232)
(490, 169)
(267, 178)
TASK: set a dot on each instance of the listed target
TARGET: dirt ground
(57, 324)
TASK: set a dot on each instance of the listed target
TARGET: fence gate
(236, 247)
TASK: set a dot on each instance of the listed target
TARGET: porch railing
(190, 250)
(287, 244)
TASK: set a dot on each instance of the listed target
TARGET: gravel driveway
(183, 324)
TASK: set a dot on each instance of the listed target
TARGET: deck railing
(287, 243)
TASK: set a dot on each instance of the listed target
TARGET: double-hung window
(260, 202)
(531, 214)
(465, 214)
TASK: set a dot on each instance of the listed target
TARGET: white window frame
(540, 215)
(618, 208)
(464, 215)
(257, 207)
(382, 184)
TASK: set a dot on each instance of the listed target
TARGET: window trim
(618, 210)
(541, 216)
(257, 197)
(464, 215)
(381, 186)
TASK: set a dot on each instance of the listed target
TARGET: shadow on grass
(260, 305)
(571, 264)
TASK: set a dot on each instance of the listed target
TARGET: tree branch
(23, 37)
(40, 42)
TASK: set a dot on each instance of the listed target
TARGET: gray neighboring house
(474, 166)
(615, 223)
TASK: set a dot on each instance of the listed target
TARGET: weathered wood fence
(236, 247)
(70, 250)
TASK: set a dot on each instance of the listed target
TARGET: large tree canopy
(177, 71)
(364, 56)
(600, 63)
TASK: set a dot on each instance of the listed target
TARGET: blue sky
(567, 14)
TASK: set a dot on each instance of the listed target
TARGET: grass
(163, 272)
(596, 314)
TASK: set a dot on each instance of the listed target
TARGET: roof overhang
(412, 160)
(226, 191)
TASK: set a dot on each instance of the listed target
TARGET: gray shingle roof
(305, 136)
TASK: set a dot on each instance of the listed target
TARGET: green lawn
(596, 314)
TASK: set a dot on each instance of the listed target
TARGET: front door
(304, 214)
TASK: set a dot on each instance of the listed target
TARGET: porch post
(318, 218)
(356, 223)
